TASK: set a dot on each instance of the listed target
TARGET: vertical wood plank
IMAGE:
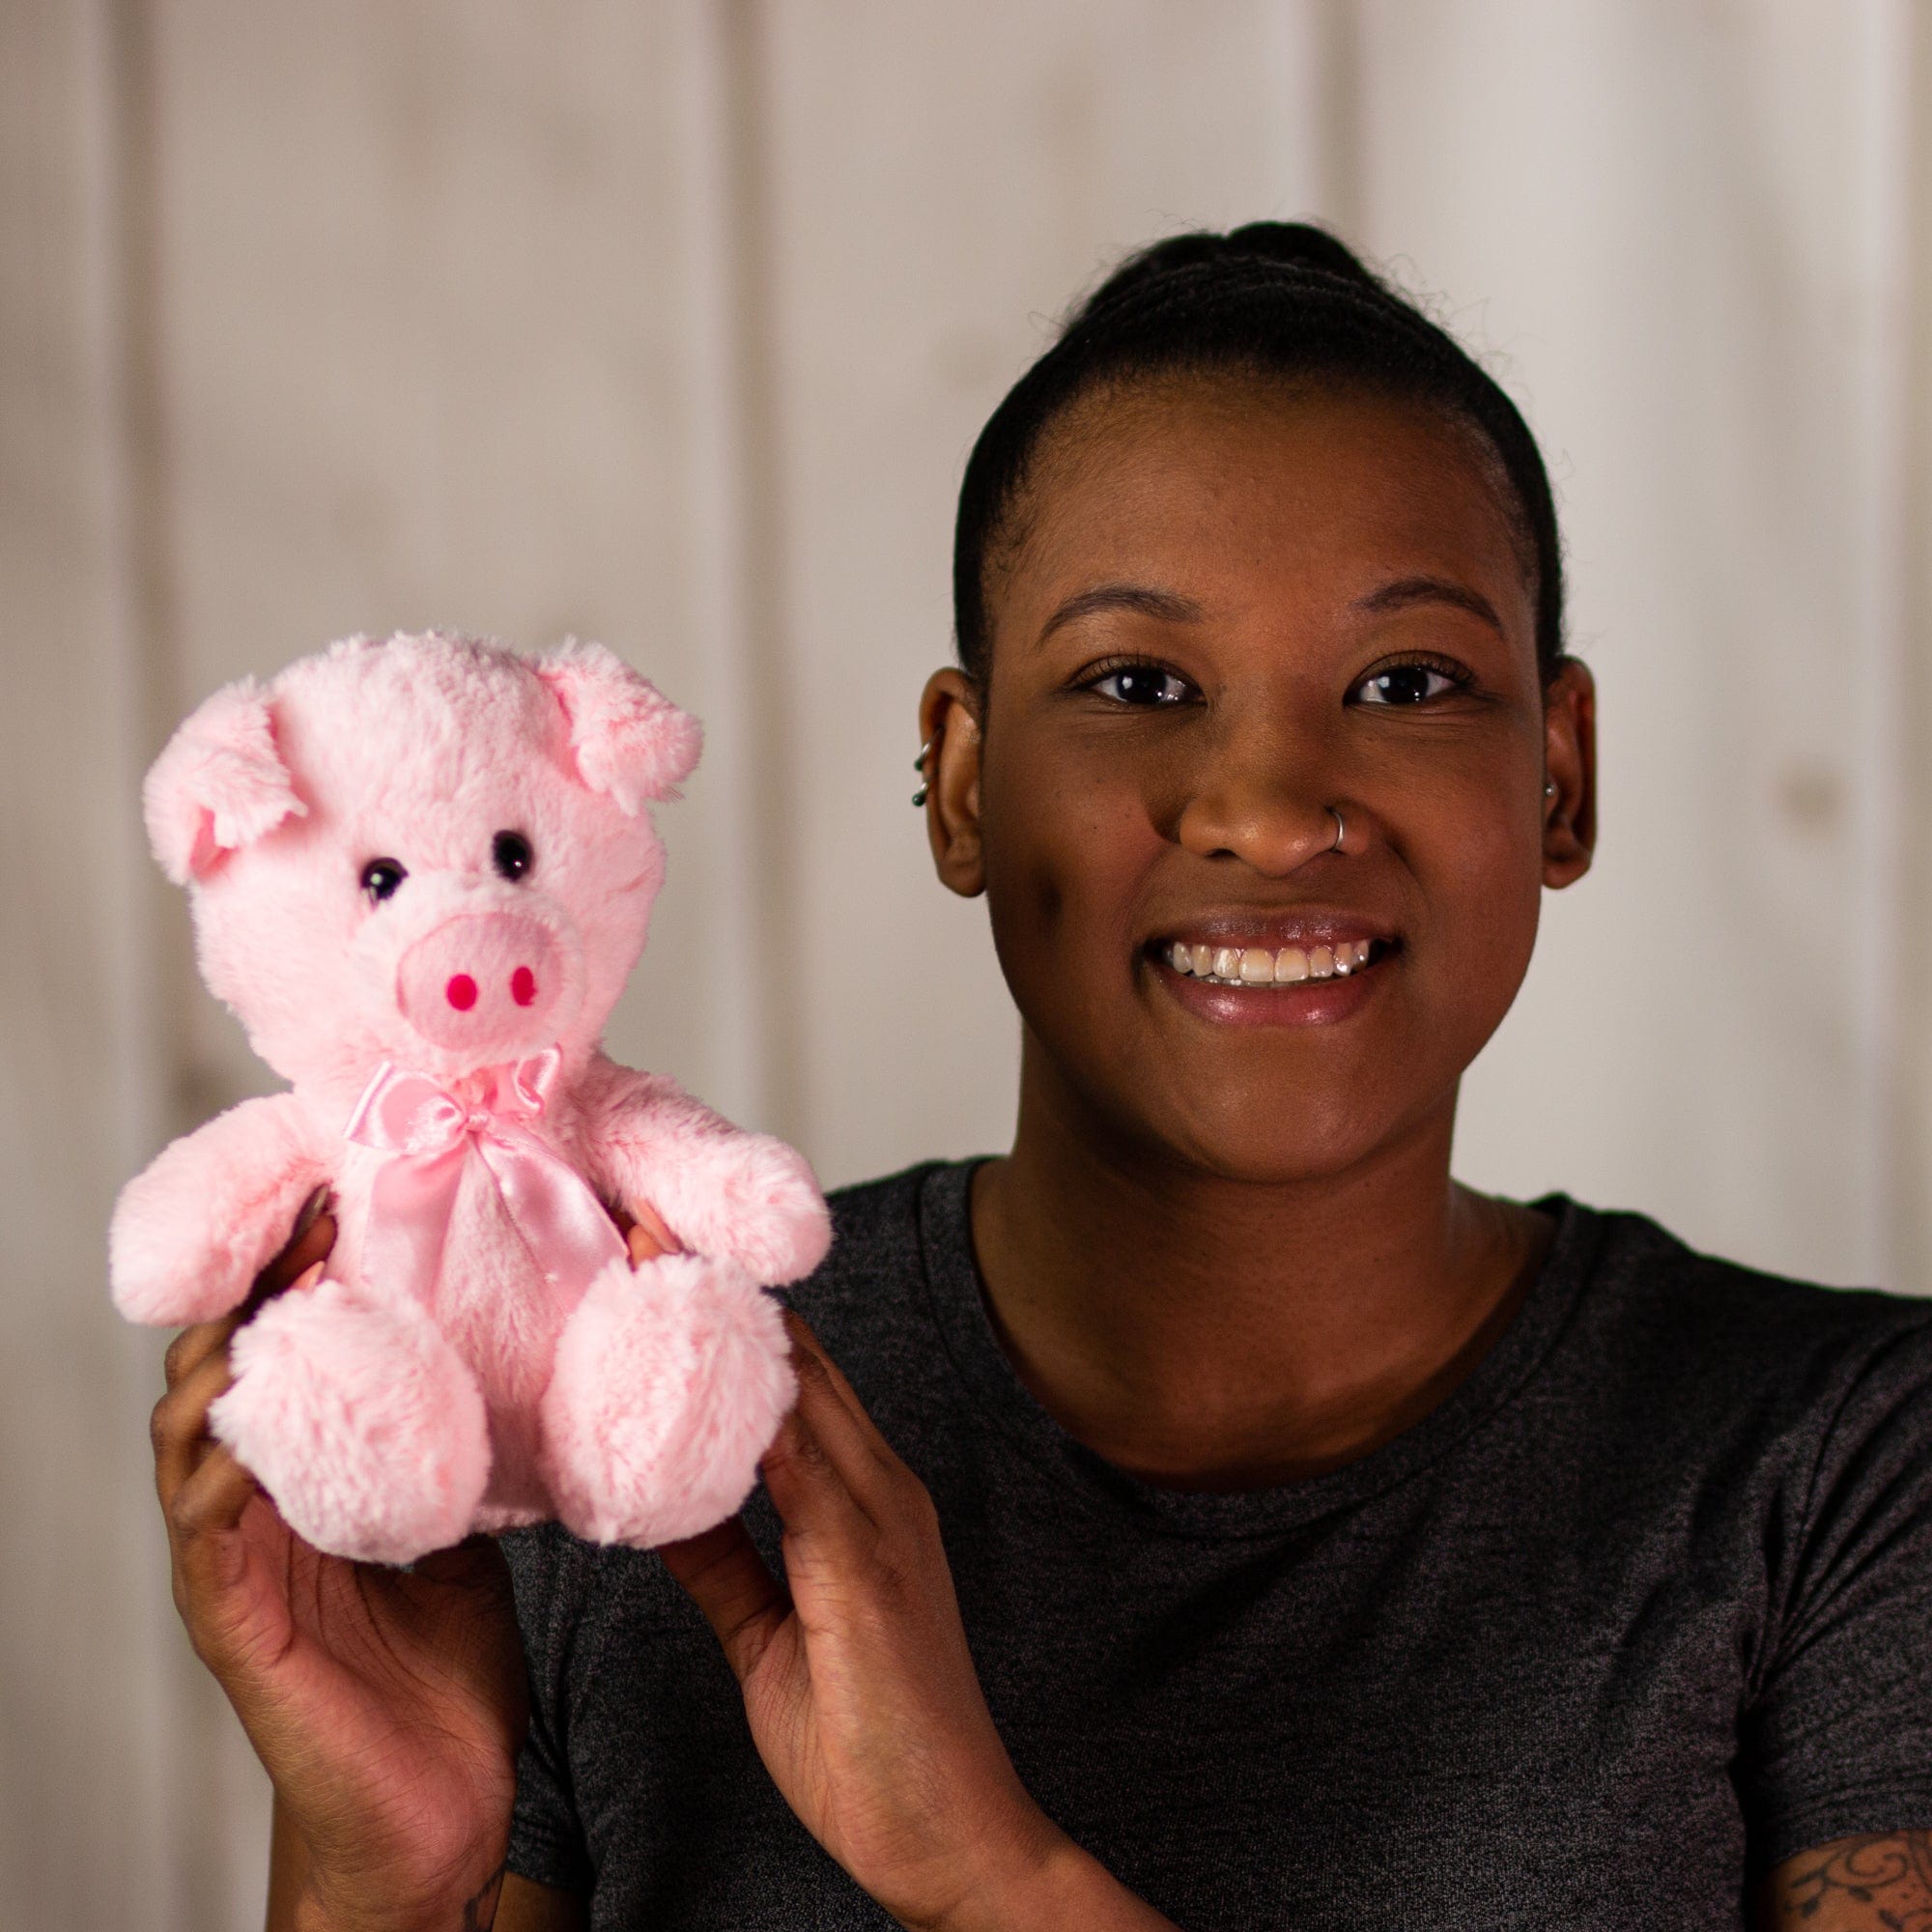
(85, 1708)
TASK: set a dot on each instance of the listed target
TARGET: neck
(1213, 1331)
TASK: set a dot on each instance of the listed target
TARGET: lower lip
(1307, 1002)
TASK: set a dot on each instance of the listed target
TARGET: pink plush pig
(420, 873)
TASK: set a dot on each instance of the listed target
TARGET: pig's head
(432, 851)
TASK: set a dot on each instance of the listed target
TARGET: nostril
(523, 986)
(461, 992)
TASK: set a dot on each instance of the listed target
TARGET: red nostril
(461, 992)
(523, 986)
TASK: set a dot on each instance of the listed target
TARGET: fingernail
(310, 1209)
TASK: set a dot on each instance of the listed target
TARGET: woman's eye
(381, 877)
(1404, 684)
(1142, 685)
(510, 853)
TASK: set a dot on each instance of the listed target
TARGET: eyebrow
(1405, 591)
(1142, 598)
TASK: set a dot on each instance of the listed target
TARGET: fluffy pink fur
(382, 1423)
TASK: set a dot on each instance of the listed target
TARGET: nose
(482, 982)
(1260, 800)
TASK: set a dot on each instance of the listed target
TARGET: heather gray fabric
(1643, 1608)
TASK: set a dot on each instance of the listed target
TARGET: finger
(643, 1245)
(649, 1223)
(837, 1417)
(193, 1345)
(209, 1557)
(815, 1495)
(179, 1425)
(211, 1502)
(310, 1244)
(178, 1428)
(729, 1581)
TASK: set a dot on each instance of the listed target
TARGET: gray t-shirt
(1641, 1609)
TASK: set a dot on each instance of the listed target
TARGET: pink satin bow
(427, 1134)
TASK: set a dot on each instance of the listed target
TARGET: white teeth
(1256, 966)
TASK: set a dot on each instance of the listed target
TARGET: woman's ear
(1570, 758)
(950, 717)
(219, 784)
(627, 739)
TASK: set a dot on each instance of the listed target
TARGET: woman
(1220, 1512)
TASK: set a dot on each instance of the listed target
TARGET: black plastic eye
(381, 877)
(511, 853)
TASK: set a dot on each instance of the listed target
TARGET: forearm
(288, 1872)
(1067, 1888)
(503, 1903)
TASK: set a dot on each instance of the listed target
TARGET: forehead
(1232, 488)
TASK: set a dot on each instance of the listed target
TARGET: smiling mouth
(1258, 966)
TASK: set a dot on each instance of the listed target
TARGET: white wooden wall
(670, 323)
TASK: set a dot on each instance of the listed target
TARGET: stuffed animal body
(421, 871)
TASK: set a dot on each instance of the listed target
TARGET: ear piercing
(918, 765)
(1549, 789)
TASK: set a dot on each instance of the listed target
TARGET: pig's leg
(669, 1382)
(360, 1421)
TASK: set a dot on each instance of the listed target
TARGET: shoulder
(878, 1237)
(1653, 1277)
(1712, 1340)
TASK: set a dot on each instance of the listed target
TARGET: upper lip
(1309, 925)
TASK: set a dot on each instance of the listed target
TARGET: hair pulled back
(1275, 300)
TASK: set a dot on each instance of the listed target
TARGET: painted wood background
(669, 323)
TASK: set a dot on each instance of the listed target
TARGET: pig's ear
(219, 783)
(628, 741)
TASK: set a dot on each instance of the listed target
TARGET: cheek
(1066, 850)
(1478, 863)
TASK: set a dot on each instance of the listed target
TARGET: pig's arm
(191, 1232)
(718, 1189)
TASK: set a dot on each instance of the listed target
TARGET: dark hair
(1274, 298)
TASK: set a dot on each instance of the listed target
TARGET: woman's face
(1231, 606)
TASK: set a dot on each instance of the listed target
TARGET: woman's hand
(861, 1690)
(387, 1705)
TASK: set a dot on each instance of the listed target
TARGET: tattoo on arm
(479, 1912)
(1882, 1882)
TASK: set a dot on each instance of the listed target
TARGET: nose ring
(1341, 830)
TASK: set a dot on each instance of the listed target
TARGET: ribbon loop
(426, 1135)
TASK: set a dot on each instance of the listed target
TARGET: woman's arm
(1875, 1884)
(861, 1692)
(523, 1906)
(385, 1705)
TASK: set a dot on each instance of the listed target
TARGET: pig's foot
(670, 1383)
(360, 1421)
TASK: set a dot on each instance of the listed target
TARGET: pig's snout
(483, 983)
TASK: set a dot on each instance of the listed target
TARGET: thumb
(745, 1605)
